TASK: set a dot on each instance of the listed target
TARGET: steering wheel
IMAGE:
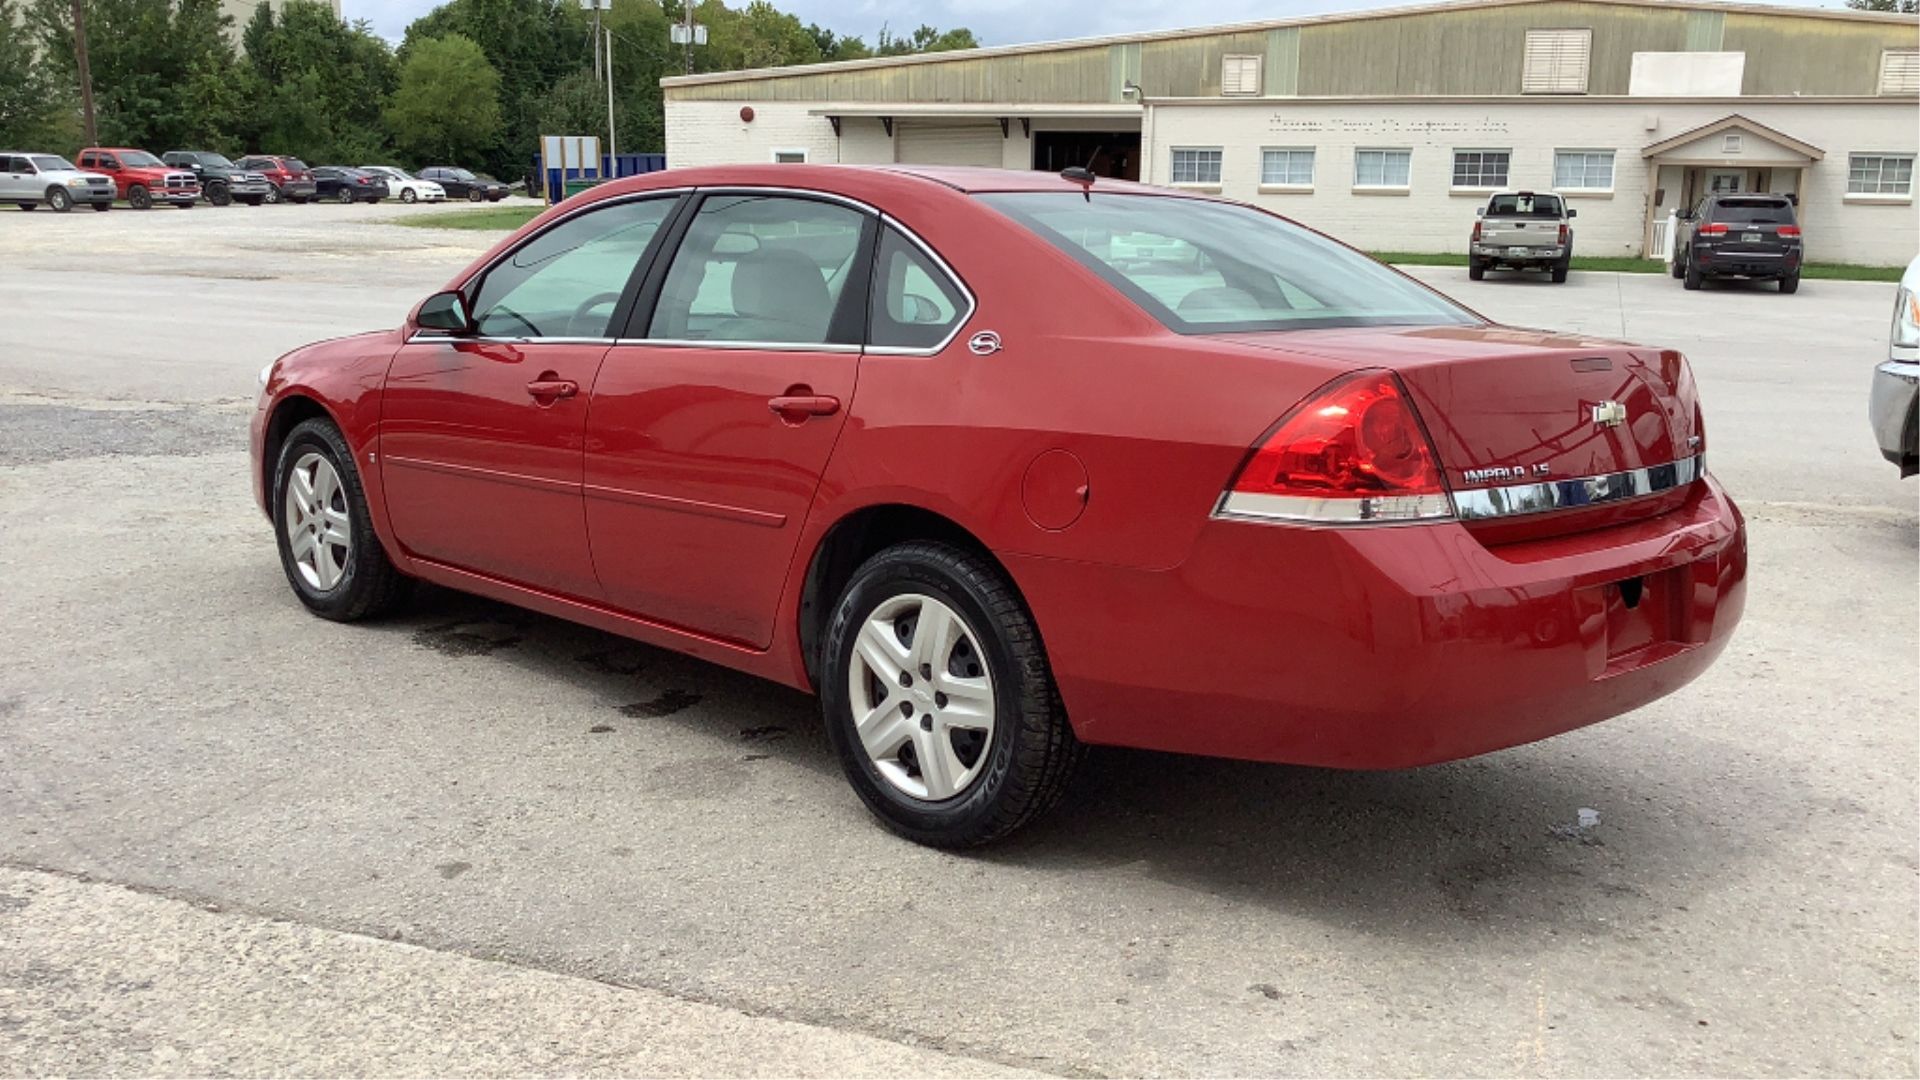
(592, 302)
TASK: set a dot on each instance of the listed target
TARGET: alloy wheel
(319, 530)
(922, 697)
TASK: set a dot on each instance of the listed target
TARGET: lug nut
(940, 700)
(906, 679)
(906, 708)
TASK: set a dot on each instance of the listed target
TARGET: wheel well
(292, 411)
(852, 541)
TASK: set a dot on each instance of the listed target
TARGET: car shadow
(1555, 836)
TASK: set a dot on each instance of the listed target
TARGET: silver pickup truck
(1522, 230)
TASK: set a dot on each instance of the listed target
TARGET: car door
(16, 179)
(481, 435)
(325, 182)
(712, 421)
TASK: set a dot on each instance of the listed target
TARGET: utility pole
(596, 42)
(612, 149)
(687, 34)
(86, 72)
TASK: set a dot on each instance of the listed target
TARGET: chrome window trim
(428, 336)
(1515, 500)
(959, 324)
(753, 346)
(637, 196)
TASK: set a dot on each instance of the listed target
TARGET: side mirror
(197, 167)
(1571, 214)
(448, 312)
(1479, 211)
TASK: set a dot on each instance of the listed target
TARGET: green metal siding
(1813, 56)
(1463, 51)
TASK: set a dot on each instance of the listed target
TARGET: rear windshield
(1754, 211)
(294, 164)
(1524, 206)
(1205, 267)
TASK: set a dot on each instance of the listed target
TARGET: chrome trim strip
(959, 324)
(1379, 509)
(1517, 499)
(429, 336)
(755, 346)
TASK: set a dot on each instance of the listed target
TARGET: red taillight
(1789, 231)
(1476, 232)
(1713, 228)
(1563, 234)
(1353, 452)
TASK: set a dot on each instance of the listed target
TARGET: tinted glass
(1524, 206)
(915, 305)
(1206, 267)
(759, 268)
(13, 165)
(296, 165)
(140, 159)
(52, 163)
(566, 281)
(1753, 212)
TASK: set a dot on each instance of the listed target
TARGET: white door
(969, 142)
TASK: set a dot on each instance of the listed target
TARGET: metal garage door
(971, 142)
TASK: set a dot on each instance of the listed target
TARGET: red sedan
(1001, 464)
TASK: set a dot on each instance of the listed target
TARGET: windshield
(1524, 206)
(218, 161)
(1754, 211)
(139, 159)
(397, 174)
(1205, 267)
(462, 174)
(50, 163)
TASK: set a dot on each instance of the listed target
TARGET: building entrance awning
(1119, 117)
(1734, 142)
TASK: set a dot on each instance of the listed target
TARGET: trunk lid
(1514, 232)
(1508, 406)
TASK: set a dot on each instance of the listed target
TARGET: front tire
(60, 199)
(939, 699)
(139, 197)
(328, 548)
(408, 196)
(273, 194)
(102, 207)
(219, 195)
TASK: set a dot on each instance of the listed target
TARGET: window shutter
(1556, 62)
(1900, 71)
(1240, 75)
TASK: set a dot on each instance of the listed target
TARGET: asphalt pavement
(474, 840)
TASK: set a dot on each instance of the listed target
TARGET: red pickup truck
(142, 179)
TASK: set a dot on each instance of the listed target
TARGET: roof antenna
(1080, 174)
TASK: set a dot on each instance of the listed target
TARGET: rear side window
(759, 268)
(1754, 212)
(1207, 267)
(915, 304)
(1524, 206)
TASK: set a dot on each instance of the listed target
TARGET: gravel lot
(1722, 883)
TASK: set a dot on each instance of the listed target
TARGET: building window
(1481, 168)
(1583, 170)
(1240, 75)
(789, 157)
(1556, 61)
(1730, 144)
(1286, 168)
(1382, 168)
(1880, 174)
(1900, 71)
(1196, 165)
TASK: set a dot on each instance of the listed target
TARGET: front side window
(1481, 168)
(1583, 170)
(1382, 168)
(567, 281)
(915, 304)
(1220, 267)
(1291, 167)
(762, 268)
(1196, 166)
(108, 161)
(1880, 174)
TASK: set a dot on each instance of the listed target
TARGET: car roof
(967, 180)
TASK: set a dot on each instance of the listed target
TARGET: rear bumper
(1535, 255)
(297, 189)
(1733, 261)
(1388, 647)
(1892, 408)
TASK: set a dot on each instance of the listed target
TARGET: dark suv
(289, 178)
(1753, 236)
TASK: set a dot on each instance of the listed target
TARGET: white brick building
(1386, 128)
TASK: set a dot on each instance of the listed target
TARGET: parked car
(290, 178)
(406, 187)
(28, 180)
(1895, 404)
(465, 184)
(908, 438)
(341, 184)
(142, 179)
(221, 181)
(1751, 236)
(1522, 230)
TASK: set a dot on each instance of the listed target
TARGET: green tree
(30, 104)
(163, 72)
(1904, 7)
(836, 46)
(317, 85)
(532, 44)
(448, 104)
(925, 39)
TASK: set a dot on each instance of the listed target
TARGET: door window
(762, 268)
(567, 281)
(915, 304)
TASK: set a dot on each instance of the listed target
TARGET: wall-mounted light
(1129, 88)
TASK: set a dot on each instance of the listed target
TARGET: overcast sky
(994, 22)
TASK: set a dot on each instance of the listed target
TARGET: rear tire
(1679, 267)
(1694, 278)
(1476, 270)
(139, 197)
(1560, 271)
(60, 199)
(29, 206)
(327, 508)
(1022, 759)
(1790, 283)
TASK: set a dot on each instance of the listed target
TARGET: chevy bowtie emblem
(1609, 414)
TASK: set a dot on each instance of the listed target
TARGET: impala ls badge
(984, 343)
(1609, 414)
(1506, 472)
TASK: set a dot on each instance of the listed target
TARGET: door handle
(548, 389)
(804, 405)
